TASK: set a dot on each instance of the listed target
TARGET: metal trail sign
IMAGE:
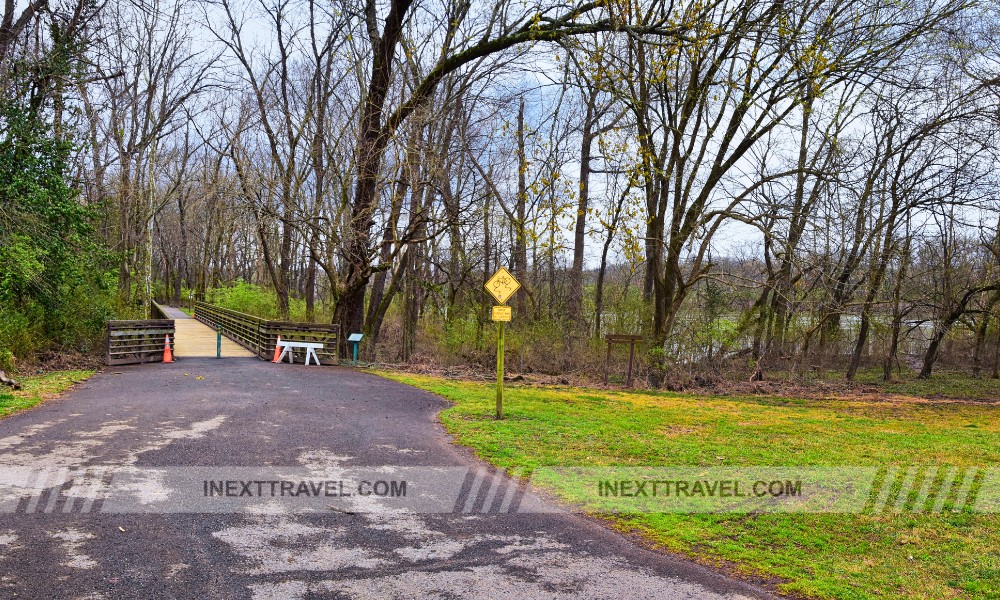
(501, 285)
(501, 313)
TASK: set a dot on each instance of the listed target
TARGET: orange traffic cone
(277, 350)
(168, 355)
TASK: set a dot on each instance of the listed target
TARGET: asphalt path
(62, 534)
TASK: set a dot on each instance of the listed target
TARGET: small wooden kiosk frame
(619, 338)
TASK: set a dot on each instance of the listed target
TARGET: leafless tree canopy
(796, 185)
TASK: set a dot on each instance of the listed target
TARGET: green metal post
(218, 341)
(500, 371)
(355, 354)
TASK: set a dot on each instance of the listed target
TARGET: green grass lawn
(37, 388)
(942, 384)
(947, 385)
(866, 555)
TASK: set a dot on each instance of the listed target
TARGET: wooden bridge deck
(194, 338)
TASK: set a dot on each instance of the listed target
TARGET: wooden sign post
(501, 285)
(616, 338)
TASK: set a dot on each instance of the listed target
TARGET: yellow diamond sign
(502, 285)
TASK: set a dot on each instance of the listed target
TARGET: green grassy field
(943, 384)
(947, 385)
(38, 388)
(867, 555)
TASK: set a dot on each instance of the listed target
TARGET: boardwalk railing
(134, 342)
(156, 311)
(260, 335)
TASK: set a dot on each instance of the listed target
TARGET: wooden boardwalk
(194, 338)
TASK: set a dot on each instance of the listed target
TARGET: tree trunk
(182, 251)
(897, 314)
(996, 356)
(311, 289)
(930, 357)
(580, 233)
(487, 250)
(520, 243)
(783, 297)
(599, 294)
(413, 292)
(852, 369)
(372, 141)
(981, 334)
